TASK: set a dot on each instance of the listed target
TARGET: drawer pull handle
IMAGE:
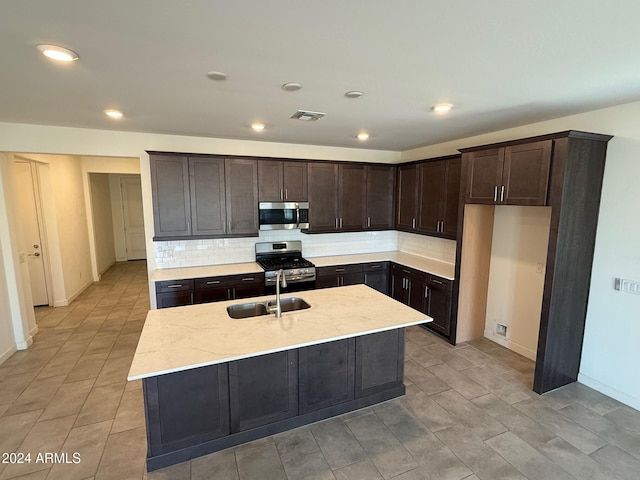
(406, 271)
(176, 285)
(375, 266)
(437, 281)
(340, 269)
(248, 279)
(215, 282)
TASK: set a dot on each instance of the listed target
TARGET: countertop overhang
(182, 338)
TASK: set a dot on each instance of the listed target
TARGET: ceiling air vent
(307, 115)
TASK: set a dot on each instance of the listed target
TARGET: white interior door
(27, 207)
(133, 217)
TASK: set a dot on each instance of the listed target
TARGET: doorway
(29, 210)
(133, 218)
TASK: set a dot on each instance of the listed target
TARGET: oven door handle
(299, 277)
(297, 215)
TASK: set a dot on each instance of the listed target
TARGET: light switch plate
(628, 286)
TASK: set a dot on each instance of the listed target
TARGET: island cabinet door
(263, 389)
(379, 362)
(326, 373)
(186, 408)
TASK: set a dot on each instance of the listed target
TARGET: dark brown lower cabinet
(438, 304)
(339, 276)
(263, 389)
(203, 410)
(326, 373)
(177, 293)
(186, 408)
(376, 275)
(174, 299)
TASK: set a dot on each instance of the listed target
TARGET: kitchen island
(211, 382)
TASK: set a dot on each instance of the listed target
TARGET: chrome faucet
(280, 279)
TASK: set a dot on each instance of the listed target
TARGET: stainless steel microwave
(283, 215)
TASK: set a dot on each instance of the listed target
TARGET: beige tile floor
(469, 412)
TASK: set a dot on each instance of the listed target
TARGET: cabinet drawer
(229, 280)
(434, 279)
(374, 266)
(174, 286)
(408, 271)
(338, 270)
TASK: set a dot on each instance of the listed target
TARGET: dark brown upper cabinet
(241, 181)
(407, 204)
(351, 196)
(171, 197)
(380, 197)
(282, 181)
(337, 197)
(511, 175)
(323, 197)
(428, 197)
(438, 196)
(204, 197)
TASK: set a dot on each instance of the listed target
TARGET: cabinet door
(380, 199)
(452, 198)
(270, 186)
(295, 181)
(174, 299)
(208, 206)
(398, 286)
(248, 290)
(326, 373)
(323, 196)
(379, 362)
(439, 305)
(526, 173)
(485, 176)
(186, 408)
(376, 275)
(416, 293)
(351, 196)
(170, 192)
(351, 279)
(263, 389)
(241, 176)
(431, 196)
(210, 295)
(328, 281)
(407, 197)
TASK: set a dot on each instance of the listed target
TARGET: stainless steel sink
(246, 310)
(256, 309)
(291, 304)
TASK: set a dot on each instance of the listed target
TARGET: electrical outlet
(501, 329)
(627, 286)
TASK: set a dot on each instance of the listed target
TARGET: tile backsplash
(191, 253)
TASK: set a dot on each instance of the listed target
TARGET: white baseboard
(516, 347)
(610, 391)
(60, 303)
(5, 355)
(77, 294)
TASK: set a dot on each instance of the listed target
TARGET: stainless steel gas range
(299, 272)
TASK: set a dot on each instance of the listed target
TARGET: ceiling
(501, 63)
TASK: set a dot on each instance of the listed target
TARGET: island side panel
(379, 362)
(263, 389)
(327, 374)
(186, 408)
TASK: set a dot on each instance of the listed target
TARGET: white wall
(610, 351)
(102, 221)
(516, 276)
(7, 340)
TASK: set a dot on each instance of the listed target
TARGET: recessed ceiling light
(258, 127)
(292, 86)
(362, 136)
(353, 94)
(218, 76)
(442, 107)
(115, 114)
(58, 53)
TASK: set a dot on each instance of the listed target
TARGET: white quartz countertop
(206, 271)
(181, 338)
(424, 264)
